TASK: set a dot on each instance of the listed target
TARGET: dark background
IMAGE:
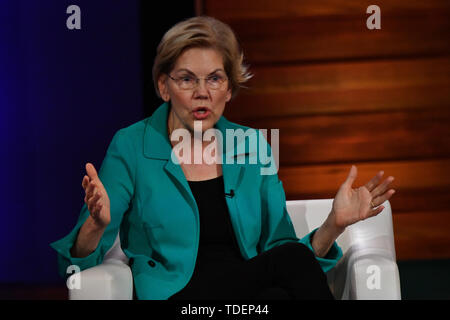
(63, 95)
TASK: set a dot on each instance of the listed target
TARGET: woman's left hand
(353, 205)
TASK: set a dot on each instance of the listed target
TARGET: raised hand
(353, 205)
(96, 197)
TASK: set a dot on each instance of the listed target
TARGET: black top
(217, 239)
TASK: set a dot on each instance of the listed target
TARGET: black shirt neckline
(205, 181)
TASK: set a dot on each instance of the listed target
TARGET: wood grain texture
(251, 9)
(422, 235)
(419, 185)
(351, 87)
(273, 32)
(417, 134)
(326, 179)
(342, 38)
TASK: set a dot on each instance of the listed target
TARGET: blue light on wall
(63, 95)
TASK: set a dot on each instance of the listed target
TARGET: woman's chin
(202, 125)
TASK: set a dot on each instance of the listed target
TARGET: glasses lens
(215, 81)
(186, 82)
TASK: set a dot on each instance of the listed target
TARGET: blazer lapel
(157, 146)
(232, 172)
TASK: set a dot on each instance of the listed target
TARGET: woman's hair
(201, 32)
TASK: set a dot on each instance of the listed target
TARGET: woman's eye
(214, 78)
(186, 79)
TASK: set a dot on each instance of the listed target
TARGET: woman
(204, 229)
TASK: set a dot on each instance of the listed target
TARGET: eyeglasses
(189, 82)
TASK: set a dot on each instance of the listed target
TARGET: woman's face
(201, 103)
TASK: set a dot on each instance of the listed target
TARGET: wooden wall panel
(265, 9)
(417, 134)
(422, 235)
(319, 180)
(286, 31)
(334, 38)
(341, 94)
(350, 87)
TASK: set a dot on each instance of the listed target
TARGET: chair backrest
(375, 233)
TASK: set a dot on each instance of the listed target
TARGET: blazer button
(151, 263)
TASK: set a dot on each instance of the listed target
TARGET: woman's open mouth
(201, 113)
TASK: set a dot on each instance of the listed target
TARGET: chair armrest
(374, 278)
(111, 280)
(370, 276)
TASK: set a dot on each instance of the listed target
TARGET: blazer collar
(157, 146)
(156, 139)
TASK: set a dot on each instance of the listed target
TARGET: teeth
(201, 111)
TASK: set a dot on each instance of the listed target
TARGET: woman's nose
(201, 89)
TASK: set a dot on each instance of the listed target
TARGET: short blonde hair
(201, 32)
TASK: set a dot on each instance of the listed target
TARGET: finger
(381, 199)
(351, 176)
(85, 182)
(99, 207)
(88, 199)
(381, 188)
(374, 181)
(95, 197)
(92, 203)
(92, 173)
(90, 190)
(375, 211)
(90, 207)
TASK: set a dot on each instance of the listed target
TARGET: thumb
(351, 176)
(92, 173)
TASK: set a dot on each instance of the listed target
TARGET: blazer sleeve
(117, 174)
(277, 227)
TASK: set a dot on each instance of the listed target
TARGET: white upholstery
(368, 248)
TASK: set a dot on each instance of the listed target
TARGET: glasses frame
(197, 82)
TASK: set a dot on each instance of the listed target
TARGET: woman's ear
(163, 89)
(228, 97)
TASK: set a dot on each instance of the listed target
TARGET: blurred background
(340, 94)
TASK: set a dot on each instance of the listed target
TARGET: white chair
(368, 269)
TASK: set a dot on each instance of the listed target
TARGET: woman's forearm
(87, 240)
(324, 237)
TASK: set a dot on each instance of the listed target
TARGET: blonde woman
(205, 229)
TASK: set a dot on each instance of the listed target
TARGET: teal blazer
(155, 211)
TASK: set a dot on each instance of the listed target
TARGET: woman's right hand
(96, 197)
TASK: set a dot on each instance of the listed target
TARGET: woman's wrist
(331, 226)
(88, 238)
(93, 226)
(325, 236)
